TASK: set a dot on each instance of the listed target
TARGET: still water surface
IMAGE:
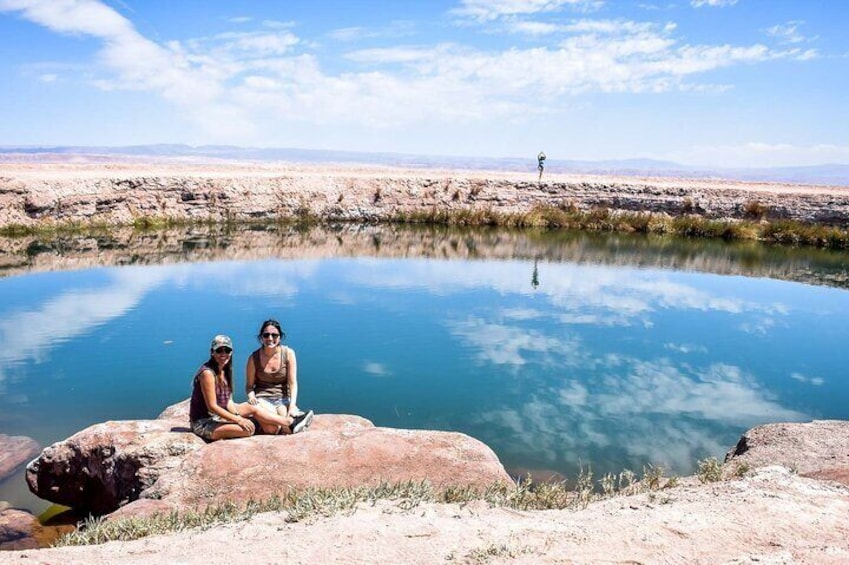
(554, 351)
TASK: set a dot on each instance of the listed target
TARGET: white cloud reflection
(72, 313)
(651, 410)
(651, 406)
(31, 334)
(815, 381)
(503, 345)
(570, 293)
(376, 369)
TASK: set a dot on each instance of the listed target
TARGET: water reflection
(617, 354)
(31, 333)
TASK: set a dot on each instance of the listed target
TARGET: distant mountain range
(834, 174)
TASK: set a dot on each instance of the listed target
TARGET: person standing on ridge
(541, 166)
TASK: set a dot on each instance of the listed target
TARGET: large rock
(162, 466)
(17, 529)
(107, 465)
(14, 452)
(818, 449)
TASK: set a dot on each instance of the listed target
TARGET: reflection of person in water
(535, 276)
(541, 166)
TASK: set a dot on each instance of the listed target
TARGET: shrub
(710, 470)
(754, 210)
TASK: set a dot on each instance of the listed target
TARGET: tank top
(197, 405)
(272, 385)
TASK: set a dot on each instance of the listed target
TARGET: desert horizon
(231, 155)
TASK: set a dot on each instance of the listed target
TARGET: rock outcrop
(154, 465)
(108, 465)
(115, 194)
(17, 529)
(14, 452)
(818, 449)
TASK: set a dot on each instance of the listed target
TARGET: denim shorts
(271, 404)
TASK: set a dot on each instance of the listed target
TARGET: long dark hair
(228, 369)
(273, 323)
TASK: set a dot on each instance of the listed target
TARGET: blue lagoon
(556, 349)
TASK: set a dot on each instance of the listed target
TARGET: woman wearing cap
(213, 413)
(271, 375)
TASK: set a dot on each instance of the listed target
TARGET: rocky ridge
(113, 194)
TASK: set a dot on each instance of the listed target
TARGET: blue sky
(701, 82)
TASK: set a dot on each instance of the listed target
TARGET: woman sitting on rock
(271, 376)
(212, 412)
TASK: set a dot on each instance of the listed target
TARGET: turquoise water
(552, 362)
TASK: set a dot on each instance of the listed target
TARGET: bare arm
(207, 387)
(250, 375)
(292, 372)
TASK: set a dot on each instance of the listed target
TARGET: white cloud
(268, 86)
(347, 33)
(534, 28)
(787, 32)
(488, 10)
(411, 54)
(712, 3)
(259, 44)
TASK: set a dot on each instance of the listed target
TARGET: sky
(719, 83)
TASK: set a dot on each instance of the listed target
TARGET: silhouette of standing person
(541, 166)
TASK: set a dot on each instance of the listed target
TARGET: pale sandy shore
(770, 517)
(84, 170)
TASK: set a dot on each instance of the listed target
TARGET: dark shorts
(205, 427)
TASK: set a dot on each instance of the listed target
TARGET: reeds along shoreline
(603, 219)
(756, 227)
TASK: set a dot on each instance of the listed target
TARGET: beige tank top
(272, 385)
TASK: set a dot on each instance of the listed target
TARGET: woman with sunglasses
(212, 412)
(271, 376)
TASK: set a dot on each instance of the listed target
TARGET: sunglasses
(223, 350)
(267, 335)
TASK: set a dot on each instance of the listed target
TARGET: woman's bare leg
(269, 422)
(229, 431)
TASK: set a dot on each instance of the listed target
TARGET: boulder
(17, 529)
(158, 465)
(14, 452)
(107, 465)
(817, 449)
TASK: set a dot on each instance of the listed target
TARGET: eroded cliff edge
(121, 194)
